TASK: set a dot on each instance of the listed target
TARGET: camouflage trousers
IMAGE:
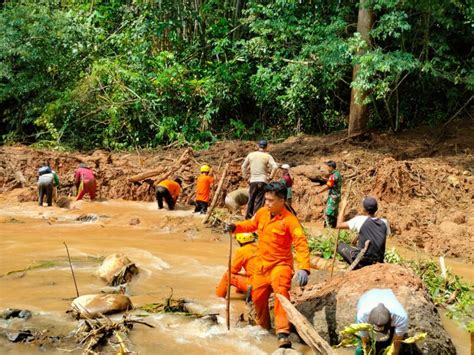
(332, 209)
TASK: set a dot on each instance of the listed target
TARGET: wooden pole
(359, 256)
(338, 234)
(160, 170)
(305, 328)
(229, 275)
(216, 195)
(72, 270)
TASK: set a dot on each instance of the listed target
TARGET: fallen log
(305, 329)
(216, 195)
(166, 172)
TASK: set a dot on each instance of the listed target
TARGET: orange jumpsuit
(173, 188)
(203, 187)
(274, 271)
(245, 257)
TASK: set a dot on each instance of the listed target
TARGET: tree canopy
(125, 74)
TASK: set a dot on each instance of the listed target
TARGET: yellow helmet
(243, 238)
(205, 169)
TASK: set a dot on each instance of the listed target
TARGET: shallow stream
(172, 250)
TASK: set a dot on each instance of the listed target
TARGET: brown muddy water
(172, 250)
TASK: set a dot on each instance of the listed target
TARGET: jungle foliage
(123, 74)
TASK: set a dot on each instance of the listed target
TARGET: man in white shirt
(262, 169)
(382, 309)
(370, 228)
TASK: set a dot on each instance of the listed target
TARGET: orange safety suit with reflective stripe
(173, 188)
(203, 187)
(276, 235)
(246, 258)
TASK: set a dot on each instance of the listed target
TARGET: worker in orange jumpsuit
(168, 190)
(245, 258)
(203, 189)
(278, 230)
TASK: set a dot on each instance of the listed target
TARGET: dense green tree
(125, 74)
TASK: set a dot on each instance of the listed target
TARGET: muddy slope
(426, 186)
(330, 306)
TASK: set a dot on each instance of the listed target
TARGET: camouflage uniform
(334, 197)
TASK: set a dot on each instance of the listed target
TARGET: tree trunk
(358, 115)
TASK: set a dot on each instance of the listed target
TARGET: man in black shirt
(370, 228)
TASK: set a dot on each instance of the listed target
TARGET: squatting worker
(368, 227)
(169, 191)
(236, 199)
(334, 185)
(244, 258)
(47, 179)
(203, 189)
(84, 180)
(382, 309)
(262, 169)
(278, 231)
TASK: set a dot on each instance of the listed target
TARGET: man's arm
(340, 218)
(397, 342)
(250, 225)
(301, 246)
(325, 188)
(273, 166)
(245, 165)
(77, 178)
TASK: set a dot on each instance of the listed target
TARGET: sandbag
(91, 306)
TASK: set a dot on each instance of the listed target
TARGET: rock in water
(330, 306)
(117, 269)
(63, 202)
(93, 305)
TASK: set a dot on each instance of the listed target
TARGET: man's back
(374, 229)
(262, 165)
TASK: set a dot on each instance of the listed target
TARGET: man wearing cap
(279, 232)
(334, 185)
(382, 309)
(370, 228)
(262, 169)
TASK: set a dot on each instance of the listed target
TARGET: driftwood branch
(165, 172)
(216, 195)
(305, 328)
(359, 256)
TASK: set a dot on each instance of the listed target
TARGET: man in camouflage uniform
(334, 185)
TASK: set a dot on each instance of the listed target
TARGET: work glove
(302, 277)
(229, 227)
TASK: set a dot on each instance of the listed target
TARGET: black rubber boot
(283, 341)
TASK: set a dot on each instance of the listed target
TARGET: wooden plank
(305, 328)
(216, 195)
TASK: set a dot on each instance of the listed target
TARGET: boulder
(91, 306)
(117, 269)
(313, 172)
(330, 306)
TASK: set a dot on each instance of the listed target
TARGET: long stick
(72, 271)
(216, 195)
(229, 275)
(338, 234)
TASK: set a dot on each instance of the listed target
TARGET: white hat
(285, 166)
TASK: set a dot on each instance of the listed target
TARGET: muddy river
(172, 250)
